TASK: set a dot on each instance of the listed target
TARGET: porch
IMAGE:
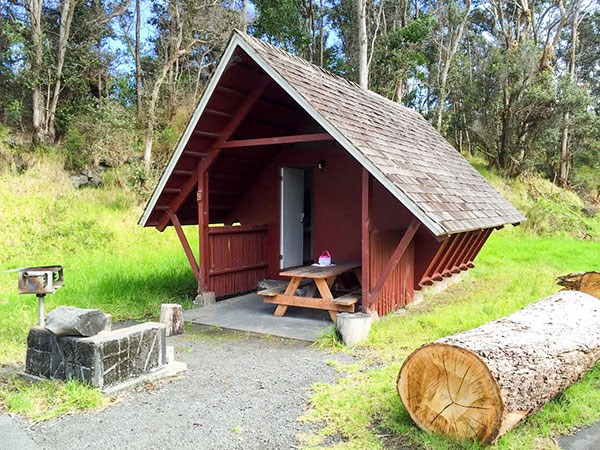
(250, 314)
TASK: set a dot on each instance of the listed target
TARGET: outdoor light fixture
(321, 164)
(40, 281)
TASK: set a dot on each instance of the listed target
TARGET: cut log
(588, 282)
(70, 321)
(482, 383)
(171, 316)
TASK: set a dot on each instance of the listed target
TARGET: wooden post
(186, 245)
(171, 316)
(203, 221)
(365, 239)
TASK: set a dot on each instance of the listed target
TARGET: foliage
(363, 409)
(103, 134)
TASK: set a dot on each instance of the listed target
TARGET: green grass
(48, 399)
(109, 261)
(513, 270)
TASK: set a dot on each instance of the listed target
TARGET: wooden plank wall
(237, 259)
(398, 290)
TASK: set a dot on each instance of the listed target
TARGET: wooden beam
(437, 274)
(208, 134)
(192, 154)
(447, 272)
(462, 261)
(478, 247)
(394, 259)
(426, 278)
(186, 245)
(460, 258)
(183, 173)
(208, 160)
(278, 140)
(217, 113)
(365, 237)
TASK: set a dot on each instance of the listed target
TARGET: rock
(78, 180)
(69, 321)
(171, 316)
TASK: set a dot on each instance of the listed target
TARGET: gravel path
(240, 392)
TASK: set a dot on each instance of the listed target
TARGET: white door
(292, 215)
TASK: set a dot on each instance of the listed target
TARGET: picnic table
(321, 279)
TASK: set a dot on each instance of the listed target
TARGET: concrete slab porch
(249, 313)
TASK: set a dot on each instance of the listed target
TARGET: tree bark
(586, 282)
(138, 61)
(565, 153)
(455, 38)
(34, 8)
(66, 18)
(482, 383)
(363, 74)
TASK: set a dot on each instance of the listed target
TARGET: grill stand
(41, 315)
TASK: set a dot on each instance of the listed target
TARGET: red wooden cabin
(304, 161)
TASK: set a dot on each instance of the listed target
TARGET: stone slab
(584, 439)
(249, 313)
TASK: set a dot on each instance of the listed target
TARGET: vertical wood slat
(238, 258)
(394, 259)
(398, 290)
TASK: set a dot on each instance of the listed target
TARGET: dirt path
(240, 391)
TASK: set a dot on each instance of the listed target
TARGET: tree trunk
(363, 75)
(138, 61)
(38, 111)
(565, 153)
(586, 282)
(455, 38)
(482, 383)
(66, 17)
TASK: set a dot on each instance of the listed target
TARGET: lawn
(363, 409)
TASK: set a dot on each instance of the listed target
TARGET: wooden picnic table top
(318, 271)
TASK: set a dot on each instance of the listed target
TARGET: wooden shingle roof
(395, 144)
(399, 144)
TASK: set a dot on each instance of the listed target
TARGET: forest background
(110, 84)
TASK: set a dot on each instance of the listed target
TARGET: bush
(105, 135)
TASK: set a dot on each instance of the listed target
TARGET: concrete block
(205, 298)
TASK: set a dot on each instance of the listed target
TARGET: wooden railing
(237, 258)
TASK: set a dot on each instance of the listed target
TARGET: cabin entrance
(296, 217)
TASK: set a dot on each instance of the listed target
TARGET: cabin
(282, 160)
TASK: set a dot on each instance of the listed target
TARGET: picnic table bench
(322, 278)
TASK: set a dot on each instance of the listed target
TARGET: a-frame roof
(395, 144)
